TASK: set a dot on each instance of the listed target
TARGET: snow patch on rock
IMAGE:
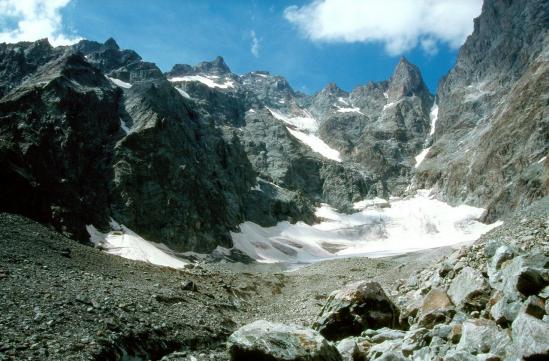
(123, 242)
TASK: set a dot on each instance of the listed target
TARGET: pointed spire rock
(217, 65)
(111, 44)
(406, 81)
(334, 90)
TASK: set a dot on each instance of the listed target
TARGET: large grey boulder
(530, 336)
(469, 289)
(504, 311)
(359, 306)
(524, 276)
(267, 341)
(484, 336)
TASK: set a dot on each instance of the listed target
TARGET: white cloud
(255, 44)
(400, 25)
(30, 20)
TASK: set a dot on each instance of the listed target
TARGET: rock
(384, 334)
(414, 340)
(469, 289)
(523, 276)
(456, 355)
(534, 306)
(530, 336)
(483, 336)
(189, 286)
(266, 341)
(435, 308)
(359, 306)
(504, 311)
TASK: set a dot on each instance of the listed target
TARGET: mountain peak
(406, 80)
(217, 65)
(111, 44)
(333, 89)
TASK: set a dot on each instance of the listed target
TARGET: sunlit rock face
(491, 135)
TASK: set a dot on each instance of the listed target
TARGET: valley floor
(61, 300)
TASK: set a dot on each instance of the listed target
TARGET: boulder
(436, 308)
(469, 289)
(414, 340)
(354, 348)
(266, 341)
(359, 306)
(484, 336)
(530, 337)
(522, 277)
(534, 306)
(459, 356)
(504, 311)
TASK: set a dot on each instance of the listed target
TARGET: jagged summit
(334, 90)
(111, 44)
(214, 67)
(405, 81)
(217, 65)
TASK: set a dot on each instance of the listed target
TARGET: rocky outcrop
(265, 341)
(355, 308)
(382, 126)
(491, 135)
(58, 128)
(81, 148)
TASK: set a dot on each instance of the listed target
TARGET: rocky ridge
(182, 158)
(490, 142)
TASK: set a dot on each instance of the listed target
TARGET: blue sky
(307, 42)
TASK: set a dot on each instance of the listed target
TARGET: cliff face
(491, 138)
(77, 149)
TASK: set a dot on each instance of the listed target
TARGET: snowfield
(120, 83)
(316, 144)
(376, 230)
(125, 243)
(433, 115)
(307, 122)
(208, 81)
(421, 156)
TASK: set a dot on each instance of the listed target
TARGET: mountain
(491, 138)
(91, 132)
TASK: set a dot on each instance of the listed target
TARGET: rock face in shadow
(491, 136)
(58, 126)
(356, 307)
(80, 150)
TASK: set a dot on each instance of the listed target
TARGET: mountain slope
(491, 138)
